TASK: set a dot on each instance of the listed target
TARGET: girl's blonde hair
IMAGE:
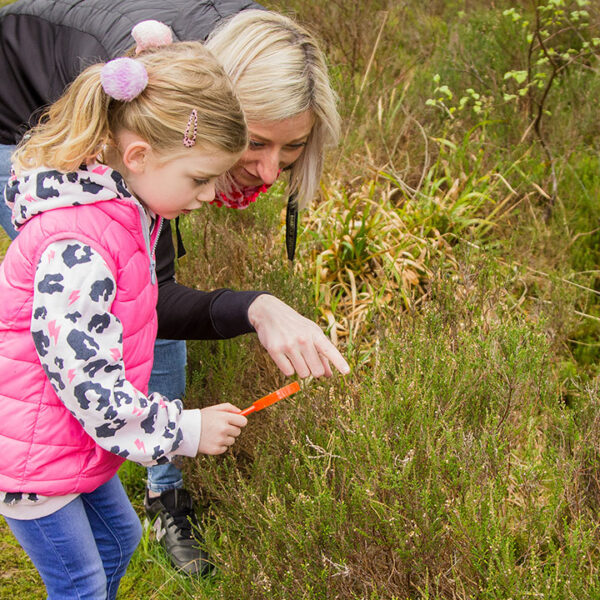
(279, 72)
(181, 77)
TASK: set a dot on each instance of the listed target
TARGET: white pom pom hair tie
(151, 34)
(124, 79)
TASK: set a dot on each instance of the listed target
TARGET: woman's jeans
(82, 550)
(168, 372)
(167, 378)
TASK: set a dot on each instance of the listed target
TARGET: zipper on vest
(150, 249)
(159, 224)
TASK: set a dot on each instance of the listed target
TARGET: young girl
(130, 142)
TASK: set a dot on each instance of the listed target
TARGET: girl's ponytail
(73, 130)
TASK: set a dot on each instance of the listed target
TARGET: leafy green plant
(559, 38)
(372, 249)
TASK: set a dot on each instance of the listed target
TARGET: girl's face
(176, 185)
(273, 146)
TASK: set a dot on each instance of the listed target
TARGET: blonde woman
(281, 79)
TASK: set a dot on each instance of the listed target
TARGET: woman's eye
(293, 147)
(200, 181)
(255, 145)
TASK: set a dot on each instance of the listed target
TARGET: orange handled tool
(271, 398)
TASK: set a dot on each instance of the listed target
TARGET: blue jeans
(5, 215)
(82, 550)
(167, 378)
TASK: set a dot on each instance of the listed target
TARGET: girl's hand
(221, 424)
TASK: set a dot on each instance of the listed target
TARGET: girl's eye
(200, 181)
(255, 145)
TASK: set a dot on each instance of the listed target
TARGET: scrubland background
(453, 256)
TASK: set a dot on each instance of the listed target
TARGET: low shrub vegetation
(453, 256)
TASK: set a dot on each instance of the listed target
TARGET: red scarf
(241, 198)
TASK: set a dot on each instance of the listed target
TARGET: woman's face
(273, 146)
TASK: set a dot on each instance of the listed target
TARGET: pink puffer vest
(43, 448)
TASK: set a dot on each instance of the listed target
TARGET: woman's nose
(268, 167)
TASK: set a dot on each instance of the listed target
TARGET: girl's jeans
(168, 372)
(82, 550)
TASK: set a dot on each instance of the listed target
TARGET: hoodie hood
(41, 190)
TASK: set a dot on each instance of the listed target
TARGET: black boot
(176, 526)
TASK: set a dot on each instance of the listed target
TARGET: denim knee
(135, 535)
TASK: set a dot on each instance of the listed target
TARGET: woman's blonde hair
(181, 77)
(279, 72)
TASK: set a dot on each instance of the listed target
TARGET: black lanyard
(291, 226)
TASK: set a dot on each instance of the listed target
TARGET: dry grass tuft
(361, 256)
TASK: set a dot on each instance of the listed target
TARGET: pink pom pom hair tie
(124, 79)
(151, 34)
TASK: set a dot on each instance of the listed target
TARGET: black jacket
(43, 46)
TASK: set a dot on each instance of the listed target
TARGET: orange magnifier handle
(273, 397)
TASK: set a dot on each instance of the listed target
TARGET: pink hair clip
(192, 124)
(124, 78)
(151, 34)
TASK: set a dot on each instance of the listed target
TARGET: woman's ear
(136, 155)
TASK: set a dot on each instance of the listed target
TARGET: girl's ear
(135, 156)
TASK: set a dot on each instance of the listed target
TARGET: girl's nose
(208, 192)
